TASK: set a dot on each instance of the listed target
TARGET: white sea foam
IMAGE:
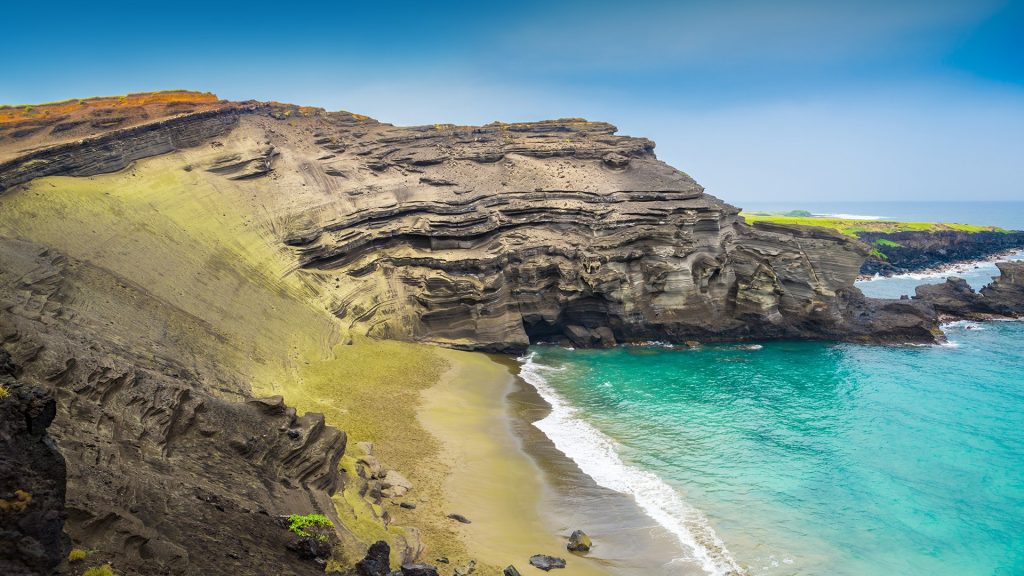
(952, 269)
(595, 454)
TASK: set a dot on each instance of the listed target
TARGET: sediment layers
(258, 238)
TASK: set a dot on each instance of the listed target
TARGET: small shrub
(889, 243)
(316, 526)
(105, 570)
(4, 392)
(77, 554)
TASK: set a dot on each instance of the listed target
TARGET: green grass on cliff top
(851, 227)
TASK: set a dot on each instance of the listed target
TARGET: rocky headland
(178, 270)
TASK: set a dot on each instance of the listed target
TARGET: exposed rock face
(497, 236)
(915, 251)
(32, 479)
(164, 473)
(112, 151)
(955, 299)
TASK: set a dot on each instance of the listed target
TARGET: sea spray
(595, 454)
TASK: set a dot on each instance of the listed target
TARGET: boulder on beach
(510, 570)
(460, 518)
(579, 542)
(545, 562)
(377, 561)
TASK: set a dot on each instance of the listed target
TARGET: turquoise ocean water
(808, 458)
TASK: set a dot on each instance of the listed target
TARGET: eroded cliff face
(497, 236)
(166, 478)
(159, 271)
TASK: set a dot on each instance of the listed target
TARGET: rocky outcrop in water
(32, 479)
(955, 299)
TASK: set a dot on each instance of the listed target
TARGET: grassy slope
(851, 227)
(199, 246)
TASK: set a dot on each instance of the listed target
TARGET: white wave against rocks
(595, 454)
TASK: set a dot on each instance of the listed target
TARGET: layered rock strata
(161, 472)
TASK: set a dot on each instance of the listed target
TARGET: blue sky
(789, 100)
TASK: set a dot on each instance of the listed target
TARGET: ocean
(814, 458)
(808, 458)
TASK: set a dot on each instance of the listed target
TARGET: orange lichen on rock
(17, 114)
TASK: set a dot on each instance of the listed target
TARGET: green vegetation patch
(887, 243)
(105, 570)
(315, 526)
(852, 227)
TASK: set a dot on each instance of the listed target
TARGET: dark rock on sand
(579, 542)
(408, 505)
(510, 570)
(377, 561)
(546, 563)
(418, 570)
(460, 518)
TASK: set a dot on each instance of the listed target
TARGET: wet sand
(523, 496)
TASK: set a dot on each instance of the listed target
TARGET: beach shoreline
(523, 496)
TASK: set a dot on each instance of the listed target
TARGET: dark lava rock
(377, 561)
(460, 518)
(579, 542)
(32, 479)
(546, 563)
(408, 505)
(510, 570)
(418, 570)
(311, 549)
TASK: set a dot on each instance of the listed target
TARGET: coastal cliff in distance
(491, 237)
(174, 264)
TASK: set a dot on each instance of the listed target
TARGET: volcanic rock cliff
(168, 261)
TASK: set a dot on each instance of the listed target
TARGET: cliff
(168, 269)
(903, 252)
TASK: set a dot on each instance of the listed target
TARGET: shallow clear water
(810, 458)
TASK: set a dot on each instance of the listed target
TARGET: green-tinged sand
(184, 266)
(490, 479)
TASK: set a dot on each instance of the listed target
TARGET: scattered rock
(510, 570)
(442, 560)
(546, 563)
(394, 485)
(579, 542)
(460, 518)
(418, 570)
(467, 569)
(408, 505)
(377, 561)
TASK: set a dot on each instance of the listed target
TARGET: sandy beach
(521, 494)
